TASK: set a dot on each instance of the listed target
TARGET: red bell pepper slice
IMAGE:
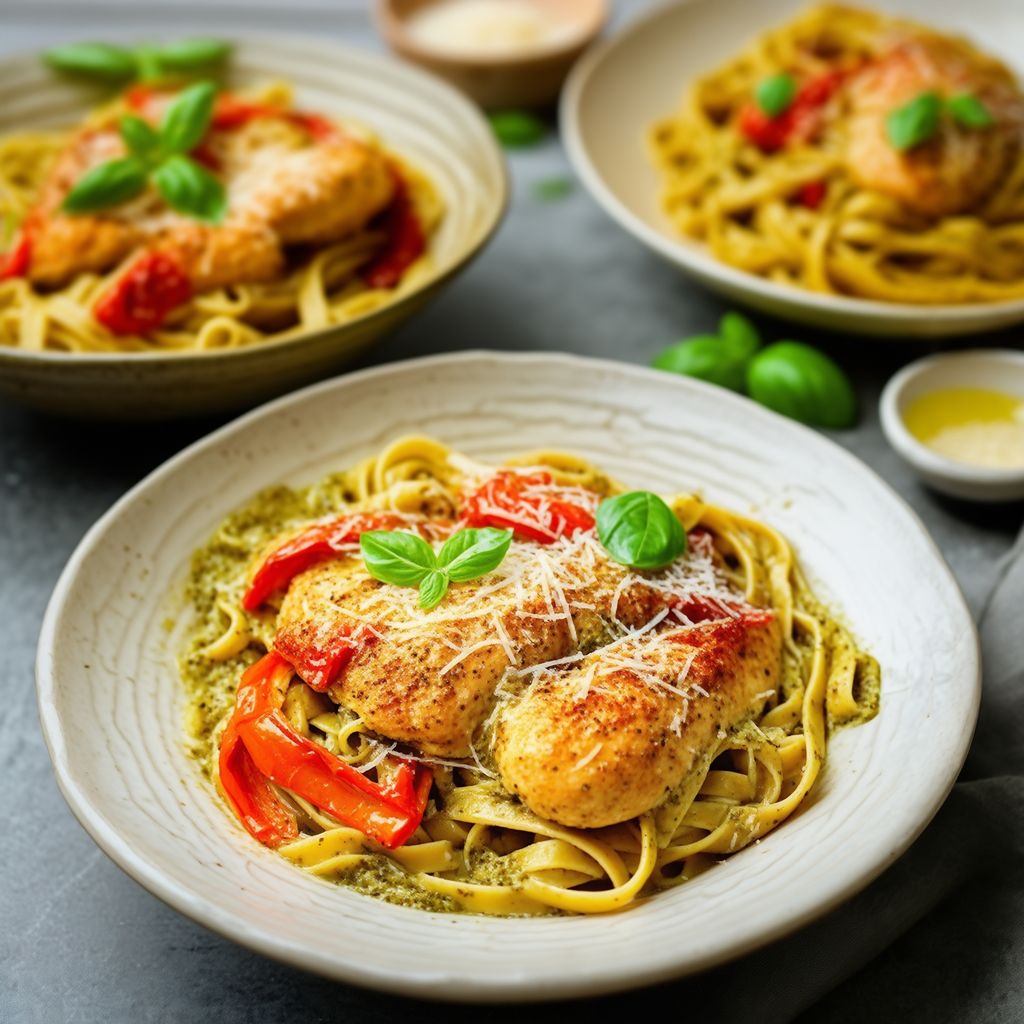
(387, 814)
(406, 241)
(505, 501)
(315, 544)
(319, 656)
(15, 262)
(250, 793)
(140, 299)
(799, 122)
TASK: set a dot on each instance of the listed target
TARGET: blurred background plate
(622, 86)
(111, 702)
(414, 113)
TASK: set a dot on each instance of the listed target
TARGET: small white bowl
(995, 369)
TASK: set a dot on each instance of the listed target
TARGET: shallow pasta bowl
(622, 86)
(112, 706)
(413, 113)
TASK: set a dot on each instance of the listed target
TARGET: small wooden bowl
(530, 78)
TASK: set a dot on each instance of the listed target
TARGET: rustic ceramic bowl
(412, 112)
(112, 706)
(623, 85)
(528, 79)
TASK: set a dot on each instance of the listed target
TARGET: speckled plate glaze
(111, 703)
(620, 87)
(412, 112)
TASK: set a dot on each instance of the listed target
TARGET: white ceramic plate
(412, 112)
(622, 86)
(111, 703)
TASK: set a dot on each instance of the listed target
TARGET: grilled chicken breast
(283, 189)
(429, 680)
(959, 165)
(610, 738)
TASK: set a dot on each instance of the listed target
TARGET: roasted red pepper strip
(504, 501)
(319, 656)
(315, 544)
(249, 793)
(799, 122)
(405, 243)
(15, 262)
(140, 298)
(386, 814)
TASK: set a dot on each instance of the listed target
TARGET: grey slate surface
(80, 941)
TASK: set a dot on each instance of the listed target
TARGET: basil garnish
(967, 110)
(915, 122)
(148, 62)
(159, 155)
(639, 530)
(775, 95)
(407, 560)
(107, 184)
(800, 382)
(191, 189)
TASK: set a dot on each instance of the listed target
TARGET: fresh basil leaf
(96, 60)
(393, 556)
(106, 185)
(187, 117)
(432, 589)
(736, 330)
(774, 95)
(517, 128)
(147, 63)
(139, 137)
(639, 530)
(190, 54)
(915, 122)
(706, 357)
(802, 383)
(968, 110)
(191, 189)
(472, 553)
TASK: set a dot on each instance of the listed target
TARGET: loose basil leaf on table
(97, 60)
(393, 556)
(737, 330)
(191, 189)
(639, 530)
(516, 128)
(800, 382)
(107, 184)
(471, 553)
(706, 357)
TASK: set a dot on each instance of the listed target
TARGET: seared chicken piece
(604, 742)
(959, 166)
(282, 190)
(413, 684)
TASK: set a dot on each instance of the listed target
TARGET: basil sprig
(147, 62)
(800, 382)
(775, 95)
(517, 128)
(918, 120)
(159, 155)
(639, 530)
(407, 560)
(717, 358)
